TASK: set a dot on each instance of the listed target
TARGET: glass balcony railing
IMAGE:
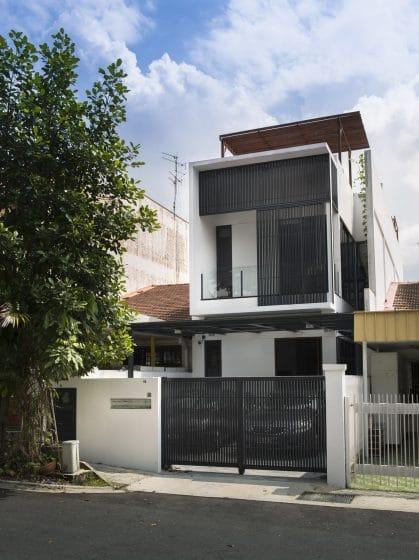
(232, 283)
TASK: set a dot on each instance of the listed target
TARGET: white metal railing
(382, 444)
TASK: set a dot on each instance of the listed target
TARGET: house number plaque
(139, 404)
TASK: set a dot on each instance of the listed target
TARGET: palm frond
(12, 316)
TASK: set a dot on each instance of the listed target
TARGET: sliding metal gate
(260, 423)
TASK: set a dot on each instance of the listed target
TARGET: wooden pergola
(343, 133)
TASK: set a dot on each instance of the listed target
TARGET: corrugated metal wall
(265, 185)
(292, 255)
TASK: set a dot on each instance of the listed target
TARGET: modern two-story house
(283, 248)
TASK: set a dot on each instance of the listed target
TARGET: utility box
(70, 457)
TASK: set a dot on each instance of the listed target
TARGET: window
(298, 356)
(166, 356)
(224, 262)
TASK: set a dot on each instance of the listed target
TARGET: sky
(199, 68)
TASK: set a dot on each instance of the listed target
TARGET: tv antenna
(176, 175)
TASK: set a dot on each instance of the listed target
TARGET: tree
(67, 205)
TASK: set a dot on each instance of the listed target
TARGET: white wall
(251, 354)
(122, 438)
(384, 255)
(243, 240)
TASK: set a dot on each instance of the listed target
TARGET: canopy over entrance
(223, 325)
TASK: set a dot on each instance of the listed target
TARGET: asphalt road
(147, 526)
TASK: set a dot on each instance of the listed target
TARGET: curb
(57, 488)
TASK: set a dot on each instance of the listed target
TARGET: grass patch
(90, 479)
(385, 483)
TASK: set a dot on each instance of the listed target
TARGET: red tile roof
(168, 302)
(403, 295)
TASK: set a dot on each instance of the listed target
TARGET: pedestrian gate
(256, 422)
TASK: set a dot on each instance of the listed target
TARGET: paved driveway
(35, 526)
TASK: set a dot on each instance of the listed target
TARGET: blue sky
(199, 68)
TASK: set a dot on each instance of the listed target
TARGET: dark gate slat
(258, 422)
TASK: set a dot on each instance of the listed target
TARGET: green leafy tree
(67, 206)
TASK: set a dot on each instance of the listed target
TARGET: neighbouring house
(161, 353)
(283, 249)
(392, 339)
(160, 257)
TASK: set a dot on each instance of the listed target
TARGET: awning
(223, 325)
(386, 326)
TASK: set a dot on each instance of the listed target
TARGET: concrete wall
(250, 354)
(384, 255)
(151, 258)
(122, 438)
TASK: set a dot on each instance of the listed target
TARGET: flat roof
(256, 324)
(341, 132)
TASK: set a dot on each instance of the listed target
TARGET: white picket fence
(382, 442)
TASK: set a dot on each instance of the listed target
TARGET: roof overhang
(343, 132)
(386, 326)
(224, 325)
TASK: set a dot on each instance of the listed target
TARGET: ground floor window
(298, 356)
(165, 356)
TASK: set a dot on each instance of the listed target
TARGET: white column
(159, 424)
(365, 369)
(335, 424)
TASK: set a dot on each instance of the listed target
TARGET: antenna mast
(175, 177)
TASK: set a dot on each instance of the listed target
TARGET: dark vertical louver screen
(264, 185)
(354, 273)
(292, 255)
(350, 353)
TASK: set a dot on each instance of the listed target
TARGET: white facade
(160, 257)
(253, 355)
(384, 255)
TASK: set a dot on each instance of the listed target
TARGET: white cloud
(392, 121)
(259, 58)
(283, 45)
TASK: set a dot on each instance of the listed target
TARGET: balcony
(238, 282)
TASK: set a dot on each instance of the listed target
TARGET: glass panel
(244, 284)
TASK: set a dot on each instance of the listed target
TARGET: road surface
(37, 526)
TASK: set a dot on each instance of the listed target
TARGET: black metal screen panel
(261, 423)
(265, 185)
(292, 255)
(350, 353)
(353, 265)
